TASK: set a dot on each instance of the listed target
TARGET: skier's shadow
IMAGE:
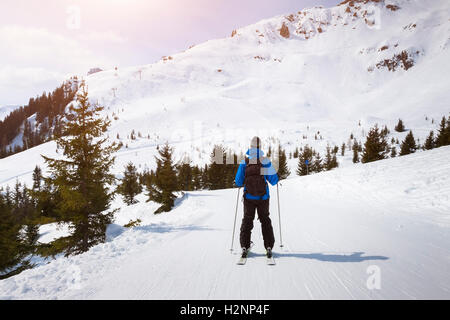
(328, 257)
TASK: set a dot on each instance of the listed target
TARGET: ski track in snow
(335, 225)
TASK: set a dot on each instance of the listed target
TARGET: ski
(269, 257)
(242, 261)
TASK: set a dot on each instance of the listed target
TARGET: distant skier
(253, 174)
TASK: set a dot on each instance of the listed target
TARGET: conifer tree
(307, 154)
(204, 178)
(317, 165)
(443, 136)
(269, 151)
(355, 149)
(29, 221)
(393, 152)
(46, 199)
(374, 147)
(231, 169)
(147, 178)
(185, 176)
(130, 187)
(447, 132)
(83, 178)
(12, 247)
(330, 159)
(165, 181)
(429, 142)
(37, 178)
(385, 131)
(283, 169)
(343, 149)
(400, 127)
(408, 145)
(196, 178)
(216, 169)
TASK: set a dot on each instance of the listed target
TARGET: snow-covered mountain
(320, 69)
(372, 231)
(320, 73)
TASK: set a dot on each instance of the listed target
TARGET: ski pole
(279, 216)
(235, 216)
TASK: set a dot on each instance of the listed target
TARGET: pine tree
(330, 159)
(374, 147)
(283, 169)
(12, 246)
(37, 178)
(429, 142)
(385, 131)
(30, 215)
(46, 200)
(196, 178)
(443, 137)
(17, 199)
(355, 149)
(269, 152)
(130, 187)
(400, 127)
(447, 132)
(185, 176)
(204, 178)
(216, 169)
(408, 145)
(165, 181)
(231, 169)
(343, 149)
(317, 165)
(393, 152)
(307, 154)
(83, 177)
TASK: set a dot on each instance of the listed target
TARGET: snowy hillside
(312, 77)
(389, 216)
(337, 67)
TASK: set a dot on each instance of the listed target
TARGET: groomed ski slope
(392, 214)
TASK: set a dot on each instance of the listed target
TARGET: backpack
(254, 181)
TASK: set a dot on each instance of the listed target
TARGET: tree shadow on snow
(164, 228)
(329, 257)
(178, 201)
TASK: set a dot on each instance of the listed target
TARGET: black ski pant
(250, 206)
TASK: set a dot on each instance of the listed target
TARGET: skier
(253, 173)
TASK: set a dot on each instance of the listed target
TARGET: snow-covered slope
(330, 77)
(390, 217)
(329, 74)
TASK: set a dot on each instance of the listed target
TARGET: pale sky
(43, 42)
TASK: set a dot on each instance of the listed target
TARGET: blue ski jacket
(270, 173)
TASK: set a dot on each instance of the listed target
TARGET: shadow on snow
(332, 257)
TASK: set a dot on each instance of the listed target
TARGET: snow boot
(269, 252)
(244, 252)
